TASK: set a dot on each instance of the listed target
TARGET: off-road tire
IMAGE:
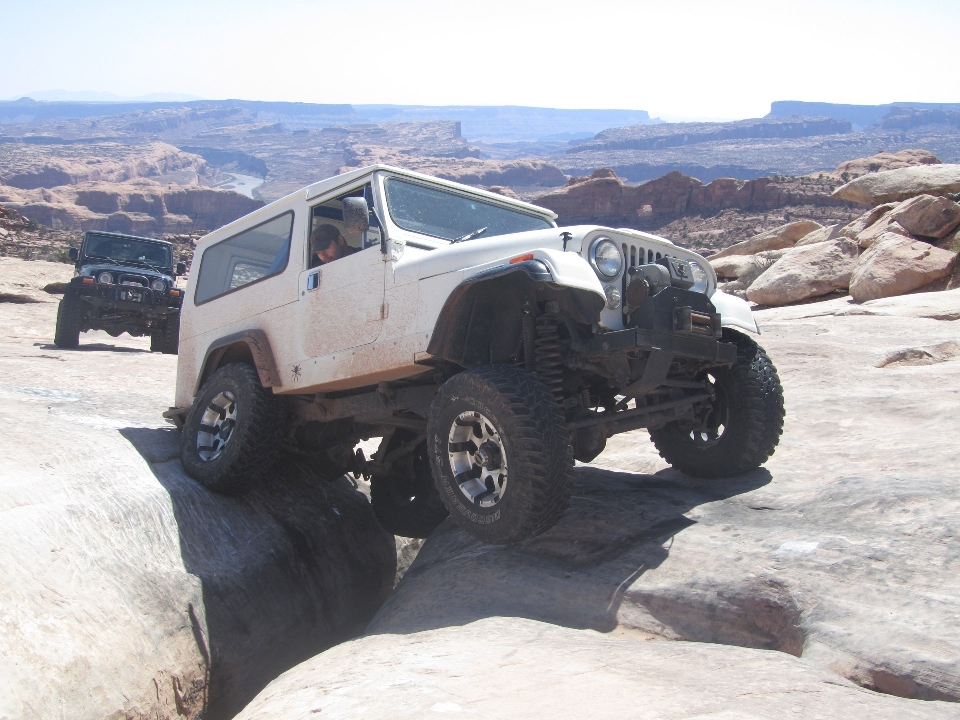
(170, 344)
(254, 441)
(69, 317)
(751, 398)
(536, 444)
(156, 341)
(405, 501)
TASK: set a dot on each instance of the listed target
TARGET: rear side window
(245, 258)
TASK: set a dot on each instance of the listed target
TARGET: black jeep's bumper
(123, 298)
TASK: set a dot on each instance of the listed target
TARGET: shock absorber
(549, 355)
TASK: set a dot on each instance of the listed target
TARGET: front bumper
(693, 347)
(138, 300)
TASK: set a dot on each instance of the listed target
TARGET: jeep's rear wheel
(405, 500)
(69, 317)
(232, 433)
(501, 453)
(743, 426)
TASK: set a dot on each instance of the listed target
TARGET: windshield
(127, 249)
(449, 216)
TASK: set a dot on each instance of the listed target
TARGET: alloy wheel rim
(216, 426)
(715, 424)
(478, 459)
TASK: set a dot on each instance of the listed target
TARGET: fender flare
(464, 331)
(260, 351)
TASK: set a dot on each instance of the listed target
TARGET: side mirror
(181, 268)
(356, 215)
(74, 254)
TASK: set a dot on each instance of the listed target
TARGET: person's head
(327, 243)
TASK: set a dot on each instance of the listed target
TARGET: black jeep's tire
(156, 341)
(405, 501)
(171, 336)
(515, 419)
(232, 434)
(69, 317)
(745, 426)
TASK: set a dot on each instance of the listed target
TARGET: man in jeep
(327, 245)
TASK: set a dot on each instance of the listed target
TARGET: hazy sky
(676, 59)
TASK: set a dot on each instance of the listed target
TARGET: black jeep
(123, 283)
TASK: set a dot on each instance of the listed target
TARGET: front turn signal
(521, 258)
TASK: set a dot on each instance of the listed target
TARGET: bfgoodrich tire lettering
(240, 438)
(532, 437)
(745, 427)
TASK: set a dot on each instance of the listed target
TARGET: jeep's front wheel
(405, 500)
(69, 317)
(501, 453)
(232, 433)
(743, 425)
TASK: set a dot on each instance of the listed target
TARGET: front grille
(635, 255)
(128, 279)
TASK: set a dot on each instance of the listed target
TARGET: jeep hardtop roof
(126, 236)
(337, 181)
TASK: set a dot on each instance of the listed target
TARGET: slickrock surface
(127, 591)
(507, 668)
(841, 550)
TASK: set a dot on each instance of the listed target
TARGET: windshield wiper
(470, 235)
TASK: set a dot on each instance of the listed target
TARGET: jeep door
(341, 301)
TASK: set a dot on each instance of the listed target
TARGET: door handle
(313, 280)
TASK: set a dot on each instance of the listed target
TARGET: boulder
(805, 272)
(129, 591)
(894, 265)
(820, 235)
(853, 229)
(733, 266)
(746, 266)
(517, 668)
(885, 161)
(901, 184)
(780, 237)
(886, 224)
(928, 216)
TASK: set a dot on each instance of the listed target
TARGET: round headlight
(700, 281)
(158, 285)
(105, 278)
(605, 257)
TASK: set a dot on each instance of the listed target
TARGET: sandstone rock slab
(806, 271)
(928, 216)
(820, 235)
(129, 591)
(885, 161)
(894, 265)
(901, 184)
(779, 237)
(513, 668)
(840, 549)
(886, 224)
(853, 229)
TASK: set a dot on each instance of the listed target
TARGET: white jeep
(487, 347)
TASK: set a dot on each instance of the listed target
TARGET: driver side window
(329, 241)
